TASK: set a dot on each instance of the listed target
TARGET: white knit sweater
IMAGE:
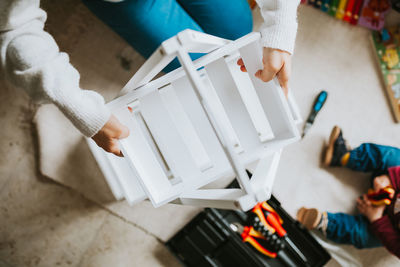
(30, 58)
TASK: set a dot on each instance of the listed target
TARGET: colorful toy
(382, 197)
(386, 43)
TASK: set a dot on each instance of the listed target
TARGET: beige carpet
(329, 55)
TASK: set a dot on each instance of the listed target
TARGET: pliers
(268, 220)
(253, 237)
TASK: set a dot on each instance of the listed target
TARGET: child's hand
(381, 182)
(276, 63)
(108, 136)
(365, 207)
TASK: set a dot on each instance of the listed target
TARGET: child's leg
(339, 227)
(373, 158)
(347, 229)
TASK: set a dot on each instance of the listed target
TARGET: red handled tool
(252, 236)
(271, 220)
(382, 197)
(257, 241)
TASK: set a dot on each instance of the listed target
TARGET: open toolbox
(208, 240)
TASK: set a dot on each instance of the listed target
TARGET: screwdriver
(270, 219)
(318, 104)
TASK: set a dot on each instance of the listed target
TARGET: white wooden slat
(198, 42)
(264, 176)
(153, 145)
(192, 106)
(222, 130)
(154, 65)
(144, 164)
(169, 140)
(294, 108)
(128, 179)
(107, 169)
(212, 198)
(185, 127)
(251, 101)
(270, 94)
(218, 111)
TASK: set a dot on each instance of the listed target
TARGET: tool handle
(272, 239)
(274, 222)
(255, 244)
(319, 102)
(382, 197)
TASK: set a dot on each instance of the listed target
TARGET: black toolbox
(208, 240)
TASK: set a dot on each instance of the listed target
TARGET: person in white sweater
(30, 59)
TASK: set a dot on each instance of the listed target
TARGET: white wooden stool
(204, 122)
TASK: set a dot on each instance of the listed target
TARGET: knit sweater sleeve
(30, 59)
(280, 23)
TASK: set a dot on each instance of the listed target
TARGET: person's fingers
(113, 147)
(115, 129)
(284, 76)
(266, 74)
(124, 132)
(241, 64)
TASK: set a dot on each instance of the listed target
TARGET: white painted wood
(153, 145)
(213, 198)
(195, 112)
(264, 175)
(154, 65)
(144, 163)
(270, 94)
(168, 138)
(185, 127)
(294, 108)
(201, 126)
(224, 133)
(107, 169)
(128, 180)
(217, 109)
(250, 99)
(198, 42)
(228, 49)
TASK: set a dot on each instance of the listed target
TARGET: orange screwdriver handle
(260, 214)
(274, 222)
(267, 207)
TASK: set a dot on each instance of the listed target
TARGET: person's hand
(276, 63)
(381, 182)
(108, 136)
(365, 207)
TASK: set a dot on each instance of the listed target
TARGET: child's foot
(336, 148)
(313, 219)
(310, 218)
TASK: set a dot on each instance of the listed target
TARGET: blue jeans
(351, 229)
(373, 158)
(145, 24)
(347, 229)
